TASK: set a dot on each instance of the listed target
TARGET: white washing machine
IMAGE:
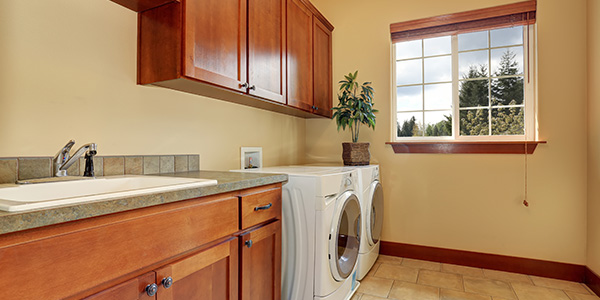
(370, 194)
(321, 223)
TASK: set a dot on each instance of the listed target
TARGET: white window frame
(530, 97)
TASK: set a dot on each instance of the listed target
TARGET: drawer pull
(248, 243)
(151, 289)
(167, 282)
(265, 207)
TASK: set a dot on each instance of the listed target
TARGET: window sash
(529, 101)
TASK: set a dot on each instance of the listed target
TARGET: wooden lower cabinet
(192, 249)
(134, 289)
(260, 263)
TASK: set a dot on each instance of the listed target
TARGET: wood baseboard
(592, 280)
(521, 265)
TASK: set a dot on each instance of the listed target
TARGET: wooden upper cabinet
(142, 5)
(322, 86)
(209, 275)
(266, 49)
(215, 42)
(299, 55)
(229, 49)
(261, 263)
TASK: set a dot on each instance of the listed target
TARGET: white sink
(43, 195)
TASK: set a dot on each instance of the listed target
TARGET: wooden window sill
(496, 147)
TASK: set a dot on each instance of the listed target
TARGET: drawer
(260, 206)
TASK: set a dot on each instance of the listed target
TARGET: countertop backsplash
(23, 168)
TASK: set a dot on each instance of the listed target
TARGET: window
(468, 80)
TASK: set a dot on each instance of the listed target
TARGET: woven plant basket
(356, 154)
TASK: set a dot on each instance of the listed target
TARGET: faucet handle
(64, 153)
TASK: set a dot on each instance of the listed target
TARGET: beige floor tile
(356, 296)
(369, 297)
(499, 298)
(531, 292)
(421, 264)
(439, 279)
(397, 272)
(389, 259)
(578, 296)
(375, 286)
(456, 295)
(492, 287)
(410, 291)
(506, 276)
(559, 284)
(373, 269)
(463, 270)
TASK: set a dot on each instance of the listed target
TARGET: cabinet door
(322, 69)
(134, 289)
(208, 275)
(215, 42)
(261, 263)
(299, 56)
(266, 49)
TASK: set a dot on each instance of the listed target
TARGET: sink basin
(44, 195)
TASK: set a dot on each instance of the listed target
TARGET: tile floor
(411, 279)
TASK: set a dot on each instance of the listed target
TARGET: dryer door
(375, 213)
(344, 236)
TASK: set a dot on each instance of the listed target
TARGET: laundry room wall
(593, 250)
(68, 71)
(473, 201)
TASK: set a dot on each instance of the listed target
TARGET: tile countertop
(227, 182)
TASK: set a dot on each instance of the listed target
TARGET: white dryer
(371, 198)
(321, 222)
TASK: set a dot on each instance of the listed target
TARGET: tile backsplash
(23, 168)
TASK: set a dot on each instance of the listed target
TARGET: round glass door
(345, 236)
(375, 215)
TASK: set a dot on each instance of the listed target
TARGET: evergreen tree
(474, 93)
(508, 121)
(506, 90)
(441, 128)
(406, 129)
(474, 122)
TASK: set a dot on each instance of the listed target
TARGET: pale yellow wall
(68, 70)
(593, 250)
(473, 202)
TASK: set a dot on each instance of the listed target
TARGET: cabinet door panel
(215, 42)
(134, 289)
(261, 263)
(208, 275)
(299, 56)
(266, 49)
(322, 69)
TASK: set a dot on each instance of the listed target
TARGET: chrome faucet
(63, 159)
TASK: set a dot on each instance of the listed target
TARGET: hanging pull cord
(525, 203)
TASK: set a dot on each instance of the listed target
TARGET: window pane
(473, 93)
(507, 36)
(507, 61)
(409, 98)
(438, 69)
(507, 91)
(409, 72)
(438, 123)
(473, 64)
(437, 46)
(410, 124)
(438, 96)
(474, 122)
(473, 40)
(410, 49)
(507, 121)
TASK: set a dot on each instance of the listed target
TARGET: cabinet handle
(167, 282)
(151, 289)
(248, 243)
(265, 207)
(244, 85)
(316, 108)
(253, 88)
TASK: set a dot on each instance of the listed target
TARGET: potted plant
(355, 107)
